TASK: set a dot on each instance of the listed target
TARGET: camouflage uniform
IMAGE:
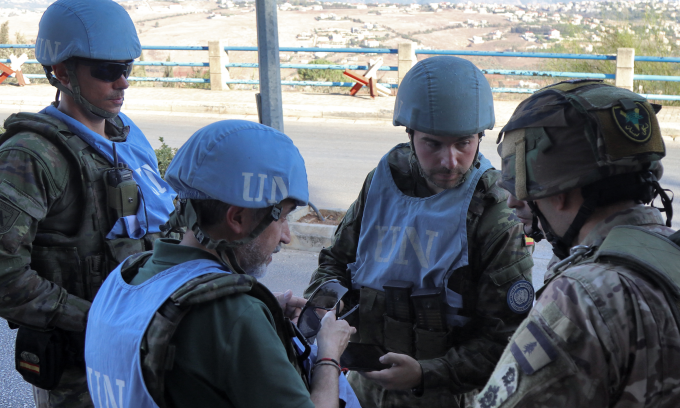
(497, 260)
(53, 255)
(604, 333)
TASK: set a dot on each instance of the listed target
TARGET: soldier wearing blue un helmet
(429, 250)
(84, 193)
(192, 314)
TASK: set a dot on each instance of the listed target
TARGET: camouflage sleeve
(31, 185)
(571, 349)
(333, 260)
(498, 259)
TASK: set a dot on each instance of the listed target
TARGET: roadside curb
(309, 237)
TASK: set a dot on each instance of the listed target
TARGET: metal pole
(268, 57)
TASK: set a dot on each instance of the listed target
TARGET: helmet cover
(444, 96)
(94, 29)
(575, 133)
(241, 163)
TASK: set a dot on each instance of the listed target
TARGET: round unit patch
(521, 296)
(635, 123)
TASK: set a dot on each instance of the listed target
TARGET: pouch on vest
(121, 190)
(371, 311)
(399, 315)
(432, 344)
(39, 356)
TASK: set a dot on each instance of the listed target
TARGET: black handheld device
(121, 189)
(363, 357)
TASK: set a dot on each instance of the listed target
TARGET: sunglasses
(325, 297)
(107, 71)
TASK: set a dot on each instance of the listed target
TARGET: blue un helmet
(444, 96)
(87, 30)
(239, 163)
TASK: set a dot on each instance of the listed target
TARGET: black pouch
(398, 336)
(431, 344)
(371, 312)
(39, 356)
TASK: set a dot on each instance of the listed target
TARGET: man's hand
(291, 305)
(404, 374)
(333, 336)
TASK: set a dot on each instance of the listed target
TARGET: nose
(285, 233)
(514, 203)
(449, 158)
(121, 83)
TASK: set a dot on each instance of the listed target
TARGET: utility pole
(271, 103)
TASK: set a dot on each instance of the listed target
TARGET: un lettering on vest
(151, 174)
(104, 381)
(394, 237)
(44, 46)
(277, 182)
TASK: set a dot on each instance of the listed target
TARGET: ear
(59, 71)
(560, 201)
(238, 221)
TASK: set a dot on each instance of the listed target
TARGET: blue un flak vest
(421, 240)
(118, 319)
(156, 195)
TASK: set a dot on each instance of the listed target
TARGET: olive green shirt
(227, 351)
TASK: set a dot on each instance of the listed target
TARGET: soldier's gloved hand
(291, 305)
(405, 373)
(333, 336)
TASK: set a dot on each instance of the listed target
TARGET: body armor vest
(157, 352)
(78, 262)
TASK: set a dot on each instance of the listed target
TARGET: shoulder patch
(634, 123)
(532, 349)
(501, 385)
(8, 216)
(520, 296)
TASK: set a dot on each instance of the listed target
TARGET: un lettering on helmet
(94, 29)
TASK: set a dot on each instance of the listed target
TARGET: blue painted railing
(554, 74)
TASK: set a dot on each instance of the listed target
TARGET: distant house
(317, 7)
(371, 43)
(554, 35)
(496, 35)
(476, 40)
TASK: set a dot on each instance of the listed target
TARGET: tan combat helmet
(585, 134)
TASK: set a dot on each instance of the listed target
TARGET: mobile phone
(363, 357)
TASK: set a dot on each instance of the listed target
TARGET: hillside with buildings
(573, 27)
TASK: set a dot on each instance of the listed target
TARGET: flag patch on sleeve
(532, 349)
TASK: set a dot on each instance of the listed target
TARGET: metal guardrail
(555, 74)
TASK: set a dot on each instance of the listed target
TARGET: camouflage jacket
(600, 335)
(497, 259)
(53, 254)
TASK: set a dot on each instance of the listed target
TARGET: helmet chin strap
(562, 244)
(74, 92)
(536, 233)
(187, 215)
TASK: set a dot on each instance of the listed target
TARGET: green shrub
(327, 75)
(164, 154)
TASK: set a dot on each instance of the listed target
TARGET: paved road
(338, 157)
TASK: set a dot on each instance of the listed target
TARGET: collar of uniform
(405, 172)
(636, 215)
(116, 130)
(166, 254)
